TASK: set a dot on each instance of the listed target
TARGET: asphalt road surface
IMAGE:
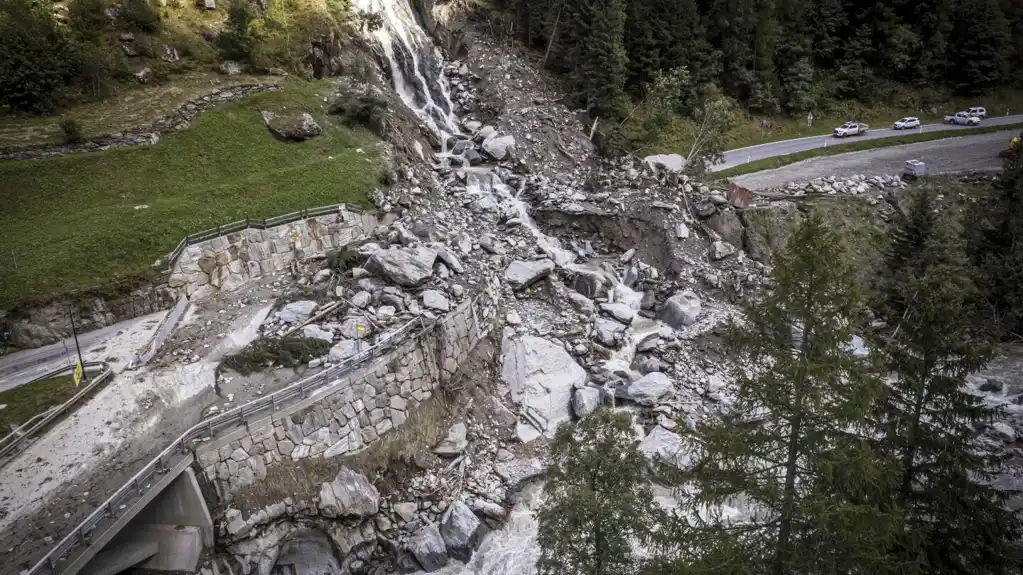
(771, 149)
(967, 153)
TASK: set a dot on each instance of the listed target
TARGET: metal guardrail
(137, 485)
(263, 224)
(26, 430)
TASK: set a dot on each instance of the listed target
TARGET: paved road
(22, 366)
(979, 152)
(771, 149)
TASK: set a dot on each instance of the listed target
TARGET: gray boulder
(590, 283)
(343, 350)
(619, 311)
(449, 258)
(297, 311)
(455, 442)
(408, 267)
(670, 163)
(720, 250)
(291, 126)
(459, 528)
(728, 226)
(666, 446)
(349, 495)
(436, 300)
(541, 376)
(608, 331)
(485, 132)
(361, 299)
(585, 401)
(316, 332)
(522, 274)
(681, 309)
(650, 389)
(427, 546)
(500, 147)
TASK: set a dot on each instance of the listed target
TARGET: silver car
(906, 123)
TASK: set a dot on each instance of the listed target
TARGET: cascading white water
(512, 549)
(486, 185)
(415, 63)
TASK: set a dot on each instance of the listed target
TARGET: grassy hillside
(78, 221)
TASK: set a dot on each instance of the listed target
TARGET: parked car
(851, 129)
(963, 119)
(978, 111)
(906, 123)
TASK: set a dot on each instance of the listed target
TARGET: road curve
(741, 156)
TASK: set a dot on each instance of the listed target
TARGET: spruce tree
(997, 249)
(981, 45)
(956, 522)
(598, 499)
(794, 448)
(602, 72)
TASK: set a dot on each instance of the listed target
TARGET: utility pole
(74, 331)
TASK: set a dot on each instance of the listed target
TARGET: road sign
(359, 328)
(79, 372)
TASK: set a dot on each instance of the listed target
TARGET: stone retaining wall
(356, 409)
(146, 134)
(227, 262)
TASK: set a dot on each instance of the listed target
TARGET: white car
(850, 129)
(963, 119)
(979, 111)
(906, 123)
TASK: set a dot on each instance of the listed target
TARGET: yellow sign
(79, 372)
(360, 328)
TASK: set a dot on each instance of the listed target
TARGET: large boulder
(499, 147)
(720, 250)
(349, 495)
(665, 446)
(436, 300)
(522, 274)
(409, 267)
(649, 389)
(620, 311)
(455, 442)
(459, 527)
(297, 311)
(343, 350)
(541, 376)
(291, 126)
(670, 163)
(313, 331)
(727, 225)
(427, 546)
(590, 283)
(585, 401)
(681, 309)
(608, 332)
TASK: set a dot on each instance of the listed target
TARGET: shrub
(37, 59)
(287, 352)
(71, 130)
(140, 14)
(237, 41)
(87, 20)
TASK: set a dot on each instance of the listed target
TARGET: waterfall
(415, 63)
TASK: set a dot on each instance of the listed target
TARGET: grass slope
(72, 222)
(779, 161)
(27, 401)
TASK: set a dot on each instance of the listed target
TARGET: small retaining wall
(226, 262)
(356, 409)
(146, 134)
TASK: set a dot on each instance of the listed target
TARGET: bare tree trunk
(550, 42)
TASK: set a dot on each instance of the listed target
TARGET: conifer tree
(956, 522)
(794, 448)
(598, 499)
(602, 72)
